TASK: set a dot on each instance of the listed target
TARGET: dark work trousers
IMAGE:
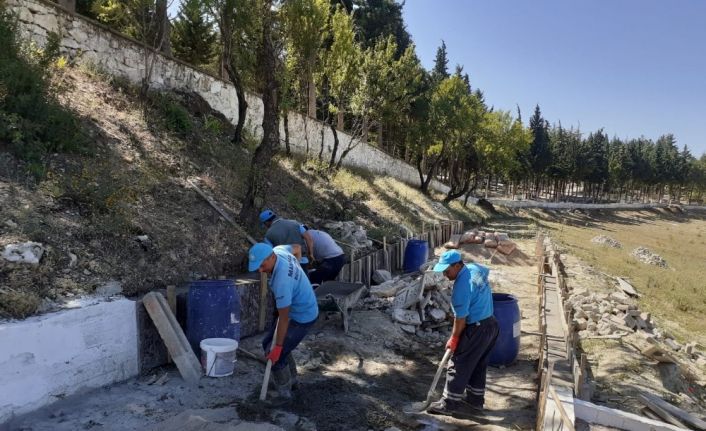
(469, 362)
(328, 269)
(295, 334)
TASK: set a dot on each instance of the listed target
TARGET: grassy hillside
(89, 208)
(675, 295)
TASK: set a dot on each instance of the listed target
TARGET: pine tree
(441, 64)
(193, 37)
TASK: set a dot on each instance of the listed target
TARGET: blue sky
(632, 67)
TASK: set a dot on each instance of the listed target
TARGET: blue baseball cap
(257, 254)
(303, 228)
(447, 259)
(267, 215)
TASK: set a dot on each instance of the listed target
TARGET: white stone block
(64, 352)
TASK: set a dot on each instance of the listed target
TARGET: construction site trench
(361, 380)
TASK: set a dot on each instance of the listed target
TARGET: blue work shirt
(292, 288)
(472, 297)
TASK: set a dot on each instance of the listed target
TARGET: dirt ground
(362, 380)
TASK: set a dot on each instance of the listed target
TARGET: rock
(619, 297)
(410, 329)
(406, 317)
(110, 288)
(690, 348)
(380, 276)
(435, 279)
(591, 326)
(437, 314)
(490, 243)
(11, 224)
(73, 259)
(27, 252)
(630, 321)
(581, 324)
(607, 241)
(647, 256)
(580, 314)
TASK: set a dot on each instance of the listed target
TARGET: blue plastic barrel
(507, 313)
(212, 311)
(416, 254)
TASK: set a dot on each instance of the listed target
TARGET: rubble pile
(607, 241)
(647, 256)
(616, 315)
(350, 233)
(497, 240)
(420, 303)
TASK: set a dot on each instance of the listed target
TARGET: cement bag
(506, 247)
(490, 243)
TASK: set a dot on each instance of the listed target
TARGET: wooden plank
(601, 415)
(172, 300)
(263, 302)
(652, 401)
(220, 211)
(567, 421)
(174, 338)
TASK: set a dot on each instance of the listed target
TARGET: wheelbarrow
(339, 296)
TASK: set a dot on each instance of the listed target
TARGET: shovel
(268, 367)
(420, 407)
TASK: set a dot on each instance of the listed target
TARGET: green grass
(676, 296)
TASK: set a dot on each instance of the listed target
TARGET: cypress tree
(193, 38)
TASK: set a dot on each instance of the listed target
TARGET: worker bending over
(283, 232)
(296, 306)
(325, 256)
(473, 337)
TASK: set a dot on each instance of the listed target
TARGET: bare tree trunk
(311, 95)
(259, 170)
(340, 123)
(163, 27)
(286, 134)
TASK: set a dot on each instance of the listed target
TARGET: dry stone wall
(92, 43)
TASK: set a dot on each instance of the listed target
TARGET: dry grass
(676, 296)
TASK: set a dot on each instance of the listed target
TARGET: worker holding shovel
(473, 337)
(296, 306)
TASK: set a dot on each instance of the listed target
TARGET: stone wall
(45, 358)
(93, 43)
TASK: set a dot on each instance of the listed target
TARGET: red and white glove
(274, 354)
(452, 343)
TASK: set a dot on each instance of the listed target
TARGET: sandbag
(501, 236)
(477, 240)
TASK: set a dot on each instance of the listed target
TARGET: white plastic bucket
(218, 356)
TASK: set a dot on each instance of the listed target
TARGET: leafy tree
(380, 19)
(306, 27)
(193, 37)
(540, 154)
(239, 26)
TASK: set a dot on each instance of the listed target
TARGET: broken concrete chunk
(437, 314)
(26, 252)
(630, 321)
(406, 317)
(408, 296)
(387, 289)
(380, 276)
(581, 324)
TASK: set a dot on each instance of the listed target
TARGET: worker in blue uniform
(472, 339)
(296, 306)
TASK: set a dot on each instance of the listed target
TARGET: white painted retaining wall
(47, 357)
(121, 56)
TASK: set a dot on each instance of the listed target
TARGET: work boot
(283, 383)
(447, 407)
(475, 403)
(293, 371)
